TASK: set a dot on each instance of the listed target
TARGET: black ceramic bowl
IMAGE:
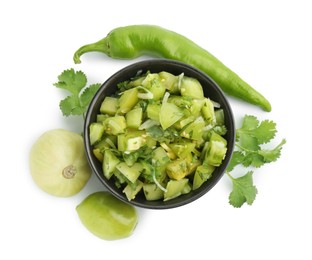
(211, 90)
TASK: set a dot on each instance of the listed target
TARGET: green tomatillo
(107, 217)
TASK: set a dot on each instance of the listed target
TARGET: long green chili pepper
(133, 41)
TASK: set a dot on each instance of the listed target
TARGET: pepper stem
(100, 46)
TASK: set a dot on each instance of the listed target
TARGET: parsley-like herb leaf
(72, 81)
(243, 190)
(75, 82)
(249, 153)
(272, 155)
(71, 106)
(88, 93)
(237, 158)
(263, 132)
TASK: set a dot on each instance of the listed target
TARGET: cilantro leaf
(248, 142)
(72, 81)
(265, 131)
(71, 106)
(88, 93)
(249, 122)
(272, 155)
(253, 159)
(237, 158)
(243, 190)
(75, 82)
(249, 153)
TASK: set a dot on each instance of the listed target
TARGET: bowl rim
(132, 69)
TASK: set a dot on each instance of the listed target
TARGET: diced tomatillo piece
(109, 163)
(177, 169)
(169, 114)
(196, 107)
(131, 141)
(169, 151)
(148, 124)
(191, 87)
(152, 191)
(202, 174)
(194, 130)
(187, 188)
(98, 154)
(100, 118)
(208, 112)
(136, 82)
(192, 163)
(149, 141)
(170, 81)
(160, 161)
(135, 143)
(153, 111)
(109, 106)
(179, 101)
(131, 190)
(134, 118)
(217, 147)
(96, 132)
(122, 142)
(160, 156)
(182, 149)
(131, 173)
(219, 113)
(174, 188)
(128, 100)
(120, 178)
(107, 142)
(116, 125)
(153, 83)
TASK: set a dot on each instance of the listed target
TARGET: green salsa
(159, 135)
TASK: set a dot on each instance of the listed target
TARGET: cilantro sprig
(250, 153)
(75, 82)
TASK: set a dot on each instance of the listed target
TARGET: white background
(268, 43)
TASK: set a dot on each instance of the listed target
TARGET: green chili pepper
(133, 41)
